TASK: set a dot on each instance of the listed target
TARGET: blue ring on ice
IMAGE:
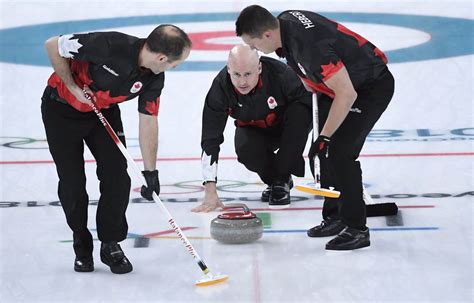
(450, 37)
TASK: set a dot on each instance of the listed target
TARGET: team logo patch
(271, 102)
(301, 69)
(136, 87)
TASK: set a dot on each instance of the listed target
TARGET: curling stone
(238, 226)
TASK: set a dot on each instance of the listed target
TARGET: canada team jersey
(317, 48)
(108, 63)
(262, 108)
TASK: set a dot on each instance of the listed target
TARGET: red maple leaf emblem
(330, 69)
(153, 107)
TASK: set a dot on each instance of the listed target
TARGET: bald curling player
(272, 112)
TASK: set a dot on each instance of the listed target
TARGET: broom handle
(317, 170)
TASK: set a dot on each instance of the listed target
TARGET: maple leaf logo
(153, 107)
(68, 46)
(136, 87)
(330, 69)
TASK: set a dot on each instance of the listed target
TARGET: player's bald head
(242, 55)
(244, 68)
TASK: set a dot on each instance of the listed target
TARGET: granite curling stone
(238, 226)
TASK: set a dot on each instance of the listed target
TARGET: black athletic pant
(66, 130)
(255, 147)
(341, 169)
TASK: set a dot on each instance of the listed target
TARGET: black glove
(152, 182)
(320, 147)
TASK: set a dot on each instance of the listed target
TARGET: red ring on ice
(199, 40)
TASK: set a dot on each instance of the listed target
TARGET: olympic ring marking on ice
(224, 187)
(195, 189)
(200, 188)
(220, 186)
(450, 36)
(20, 142)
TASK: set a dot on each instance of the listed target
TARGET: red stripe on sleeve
(380, 54)
(319, 87)
(360, 40)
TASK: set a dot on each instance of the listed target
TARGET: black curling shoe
(280, 196)
(350, 238)
(266, 194)
(329, 227)
(84, 264)
(112, 255)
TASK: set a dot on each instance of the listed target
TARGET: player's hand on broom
(211, 199)
(319, 148)
(152, 184)
(83, 94)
